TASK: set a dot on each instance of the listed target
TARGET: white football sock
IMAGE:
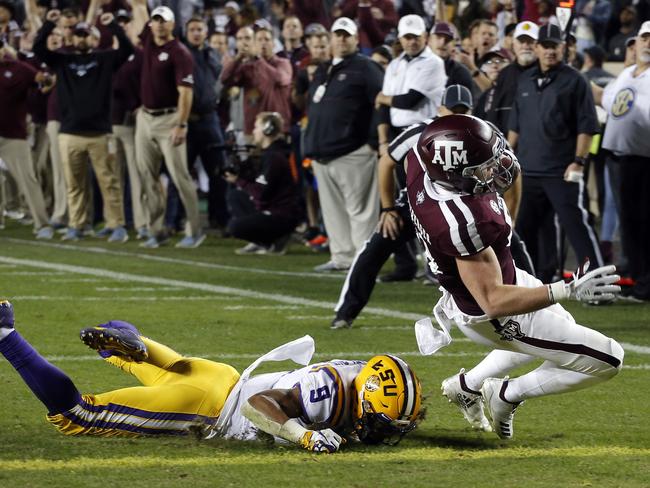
(548, 379)
(4, 332)
(495, 365)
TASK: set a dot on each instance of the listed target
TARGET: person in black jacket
(338, 139)
(274, 192)
(84, 89)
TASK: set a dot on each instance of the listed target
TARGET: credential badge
(163, 56)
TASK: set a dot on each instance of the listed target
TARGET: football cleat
(119, 342)
(468, 401)
(501, 411)
(6, 314)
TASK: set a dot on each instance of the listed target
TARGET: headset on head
(272, 124)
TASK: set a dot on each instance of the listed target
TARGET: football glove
(597, 286)
(325, 440)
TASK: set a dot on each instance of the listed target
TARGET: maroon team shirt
(16, 78)
(163, 69)
(451, 224)
(126, 87)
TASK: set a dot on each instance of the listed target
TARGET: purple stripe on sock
(50, 385)
(100, 424)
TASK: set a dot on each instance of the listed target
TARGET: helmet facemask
(495, 175)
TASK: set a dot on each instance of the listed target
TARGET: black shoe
(396, 276)
(340, 323)
(121, 342)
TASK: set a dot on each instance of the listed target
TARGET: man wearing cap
(496, 103)
(339, 129)
(414, 81)
(627, 101)
(593, 66)
(441, 42)
(161, 123)
(84, 86)
(551, 125)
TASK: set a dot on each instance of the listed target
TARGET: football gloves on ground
(325, 440)
(597, 286)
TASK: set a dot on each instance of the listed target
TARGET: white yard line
(187, 262)
(635, 348)
(205, 287)
(124, 299)
(138, 288)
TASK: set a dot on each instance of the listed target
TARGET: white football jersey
(326, 391)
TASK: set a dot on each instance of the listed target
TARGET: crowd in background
(135, 113)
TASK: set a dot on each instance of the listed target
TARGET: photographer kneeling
(274, 192)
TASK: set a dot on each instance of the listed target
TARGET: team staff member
(627, 101)
(161, 124)
(441, 42)
(552, 146)
(340, 124)
(500, 98)
(15, 82)
(274, 192)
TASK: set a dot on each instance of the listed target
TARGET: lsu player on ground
(454, 175)
(318, 407)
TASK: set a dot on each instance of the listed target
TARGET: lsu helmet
(389, 398)
(467, 153)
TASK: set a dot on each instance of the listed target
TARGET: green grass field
(211, 303)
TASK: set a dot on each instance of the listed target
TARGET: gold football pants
(178, 395)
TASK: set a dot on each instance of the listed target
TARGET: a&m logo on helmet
(449, 154)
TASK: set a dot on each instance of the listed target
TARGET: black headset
(271, 125)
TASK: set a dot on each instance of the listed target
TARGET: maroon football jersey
(451, 224)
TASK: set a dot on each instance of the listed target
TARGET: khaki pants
(60, 192)
(152, 143)
(125, 137)
(75, 152)
(40, 146)
(16, 155)
(349, 199)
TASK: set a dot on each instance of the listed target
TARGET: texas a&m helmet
(467, 153)
(389, 399)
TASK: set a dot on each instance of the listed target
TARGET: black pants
(634, 211)
(543, 198)
(261, 228)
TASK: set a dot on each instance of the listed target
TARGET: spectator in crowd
(375, 19)
(442, 42)
(311, 12)
(395, 228)
(483, 35)
(219, 42)
(67, 22)
(161, 123)
(493, 62)
(628, 23)
(630, 52)
(204, 130)
(627, 101)
(16, 80)
(497, 102)
(597, 13)
(274, 192)
(508, 37)
(84, 90)
(294, 50)
(264, 76)
(552, 147)
(126, 100)
(593, 66)
(9, 29)
(340, 125)
(382, 55)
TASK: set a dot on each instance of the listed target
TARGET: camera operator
(274, 192)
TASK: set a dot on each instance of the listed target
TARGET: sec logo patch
(623, 102)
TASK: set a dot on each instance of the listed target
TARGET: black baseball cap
(457, 95)
(123, 14)
(549, 33)
(83, 29)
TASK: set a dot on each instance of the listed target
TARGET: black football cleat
(120, 342)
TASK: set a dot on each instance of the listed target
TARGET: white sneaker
(501, 411)
(469, 402)
(330, 266)
(250, 248)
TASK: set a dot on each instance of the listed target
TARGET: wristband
(387, 209)
(292, 431)
(580, 160)
(558, 291)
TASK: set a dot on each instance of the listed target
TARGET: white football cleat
(468, 401)
(501, 411)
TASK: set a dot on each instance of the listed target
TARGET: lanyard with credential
(320, 91)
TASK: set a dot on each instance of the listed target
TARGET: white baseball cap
(345, 24)
(645, 28)
(233, 5)
(526, 28)
(411, 24)
(164, 12)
